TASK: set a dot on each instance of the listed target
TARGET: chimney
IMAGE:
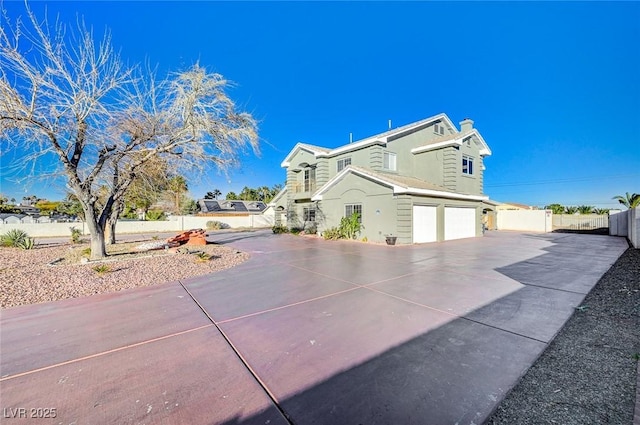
(466, 125)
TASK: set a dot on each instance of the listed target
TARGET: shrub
(332, 234)
(101, 269)
(202, 257)
(76, 234)
(26, 243)
(156, 215)
(279, 228)
(13, 238)
(295, 230)
(216, 225)
(311, 229)
(350, 226)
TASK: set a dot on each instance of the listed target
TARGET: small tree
(629, 200)
(73, 101)
(232, 196)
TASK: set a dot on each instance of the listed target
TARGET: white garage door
(424, 224)
(459, 223)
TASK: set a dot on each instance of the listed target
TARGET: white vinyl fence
(626, 223)
(525, 220)
(173, 224)
(580, 221)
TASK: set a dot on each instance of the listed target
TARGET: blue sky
(554, 88)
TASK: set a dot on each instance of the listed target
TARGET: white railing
(580, 221)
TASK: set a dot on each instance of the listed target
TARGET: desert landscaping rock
(588, 373)
(36, 275)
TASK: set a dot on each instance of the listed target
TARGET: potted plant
(390, 239)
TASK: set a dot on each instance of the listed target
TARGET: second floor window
(389, 161)
(467, 165)
(343, 163)
(309, 179)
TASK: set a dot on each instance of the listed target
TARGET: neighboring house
(422, 182)
(214, 206)
(511, 206)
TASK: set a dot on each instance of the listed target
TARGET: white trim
(434, 146)
(484, 148)
(287, 160)
(440, 194)
(352, 147)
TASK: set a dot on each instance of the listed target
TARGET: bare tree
(71, 101)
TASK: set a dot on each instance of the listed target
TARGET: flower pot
(391, 240)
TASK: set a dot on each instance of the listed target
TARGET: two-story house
(421, 183)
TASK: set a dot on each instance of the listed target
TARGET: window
(309, 179)
(389, 161)
(309, 214)
(467, 165)
(349, 209)
(342, 163)
(438, 129)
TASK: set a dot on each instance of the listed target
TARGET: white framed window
(343, 163)
(438, 128)
(349, 209)
(389, 161)
(309, 214)
(309, 179)
(467, 165)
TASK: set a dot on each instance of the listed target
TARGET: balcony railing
(302, 187)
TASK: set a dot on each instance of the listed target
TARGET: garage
(424, 224)
(459, 223)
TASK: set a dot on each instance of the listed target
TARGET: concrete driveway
(307, 332)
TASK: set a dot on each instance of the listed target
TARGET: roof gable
(455, 140)
(315, 150)
(378, 139)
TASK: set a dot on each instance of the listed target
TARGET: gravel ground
(26, 276)
(588, 373)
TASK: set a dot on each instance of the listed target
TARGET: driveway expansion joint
(244, 361)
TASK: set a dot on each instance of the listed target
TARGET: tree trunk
(112, 221)
(98, 247)
(111, 225)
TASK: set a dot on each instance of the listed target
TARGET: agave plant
(202, 257)
(26, 243)
(13, 238)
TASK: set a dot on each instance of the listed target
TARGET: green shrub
(350, 226)
(13, 238)
(295, 230)
(279, 228)
(202, 257)
(27, 243)
(156, 215)
(216, 225)
(76, 234)
(332, 234)
(101, 269)
(86, 252)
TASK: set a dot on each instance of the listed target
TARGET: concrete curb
(636, 416)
